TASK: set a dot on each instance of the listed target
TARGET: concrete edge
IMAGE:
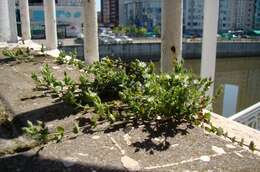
(237, 130)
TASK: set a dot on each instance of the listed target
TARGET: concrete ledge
(236, 129)
(53, 53)
(3, 44)
(32, 45)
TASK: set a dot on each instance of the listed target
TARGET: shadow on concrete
(6, 60)
(161, 130)
(49, 113)
(36, 163)
(158, 135)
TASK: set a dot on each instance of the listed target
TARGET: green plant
(41, 134)
(130, 30)
(178, 96)
(38, 132)
(233, 139)
(42, 48)
(112, 87)
(19, 54)
(76, 128)
(70, 58)
(220, 131)
(241, 143)
(252, 146)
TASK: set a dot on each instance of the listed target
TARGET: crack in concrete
(190, 160)
(122, 151)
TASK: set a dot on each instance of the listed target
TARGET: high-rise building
(257, 15)
(110, 12)
(233, 14)
(192, 15)
(227, 15)
(145, 13)
(245, 11)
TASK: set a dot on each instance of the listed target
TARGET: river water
(240, 78)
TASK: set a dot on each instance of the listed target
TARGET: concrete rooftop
(122, 148)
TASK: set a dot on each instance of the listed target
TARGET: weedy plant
(19, 54)
(115, 91)
(131, 92)
(70, 58)
(41, 133)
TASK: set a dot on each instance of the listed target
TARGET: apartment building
(245, 14)
(257, 15)
(145, 13)
(192, 15)
(110, 12)
(233, 14)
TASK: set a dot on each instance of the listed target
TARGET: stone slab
(193, 151)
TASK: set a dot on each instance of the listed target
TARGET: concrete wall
(151, 51)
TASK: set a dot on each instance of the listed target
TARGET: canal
(240, 78)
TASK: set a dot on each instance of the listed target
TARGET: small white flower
(68, 58)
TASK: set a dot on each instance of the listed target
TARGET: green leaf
(60, 130)
(252, 146)
(207, 116)
(76, 128)
(220, 131)
(241, 143)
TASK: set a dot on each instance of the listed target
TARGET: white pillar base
(32, 45)
(53, 53)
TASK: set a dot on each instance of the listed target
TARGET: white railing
(249, 116)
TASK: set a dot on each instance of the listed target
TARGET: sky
(98, 5)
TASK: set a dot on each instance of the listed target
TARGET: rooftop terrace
(122, 146)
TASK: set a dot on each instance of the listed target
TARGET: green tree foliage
(130, 30)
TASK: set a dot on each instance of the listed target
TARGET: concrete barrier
(152, 51)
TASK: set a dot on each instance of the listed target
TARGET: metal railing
(249, 116)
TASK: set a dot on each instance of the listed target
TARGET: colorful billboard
(69, 20)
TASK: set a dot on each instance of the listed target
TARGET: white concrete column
(12, 20)
(90, 32)
(50, 24)
(209, 41)
(25, 19)
(4, 21)
(171, 45)
(8, 27)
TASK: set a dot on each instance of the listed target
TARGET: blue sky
(98, 5)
